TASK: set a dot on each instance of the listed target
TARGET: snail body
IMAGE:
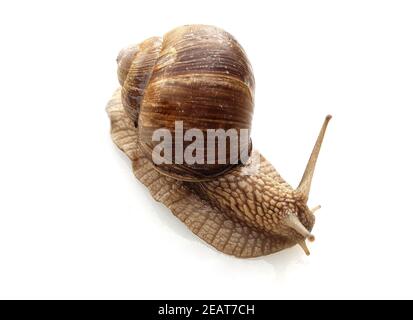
(201, 76)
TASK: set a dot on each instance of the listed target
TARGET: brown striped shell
(196, 74)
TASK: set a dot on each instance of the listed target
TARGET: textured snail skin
(220, 229)
(237, 214)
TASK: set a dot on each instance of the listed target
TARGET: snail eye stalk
(305, 184)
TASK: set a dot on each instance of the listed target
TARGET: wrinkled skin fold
(216, 226)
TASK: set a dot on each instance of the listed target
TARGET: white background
(75, 223)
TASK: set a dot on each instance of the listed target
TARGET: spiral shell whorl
(135, 65)
(124, 61)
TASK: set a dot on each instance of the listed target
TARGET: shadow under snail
(201, 76)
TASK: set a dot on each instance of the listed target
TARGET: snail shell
(199, 75)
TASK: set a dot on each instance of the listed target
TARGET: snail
(200, 76)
